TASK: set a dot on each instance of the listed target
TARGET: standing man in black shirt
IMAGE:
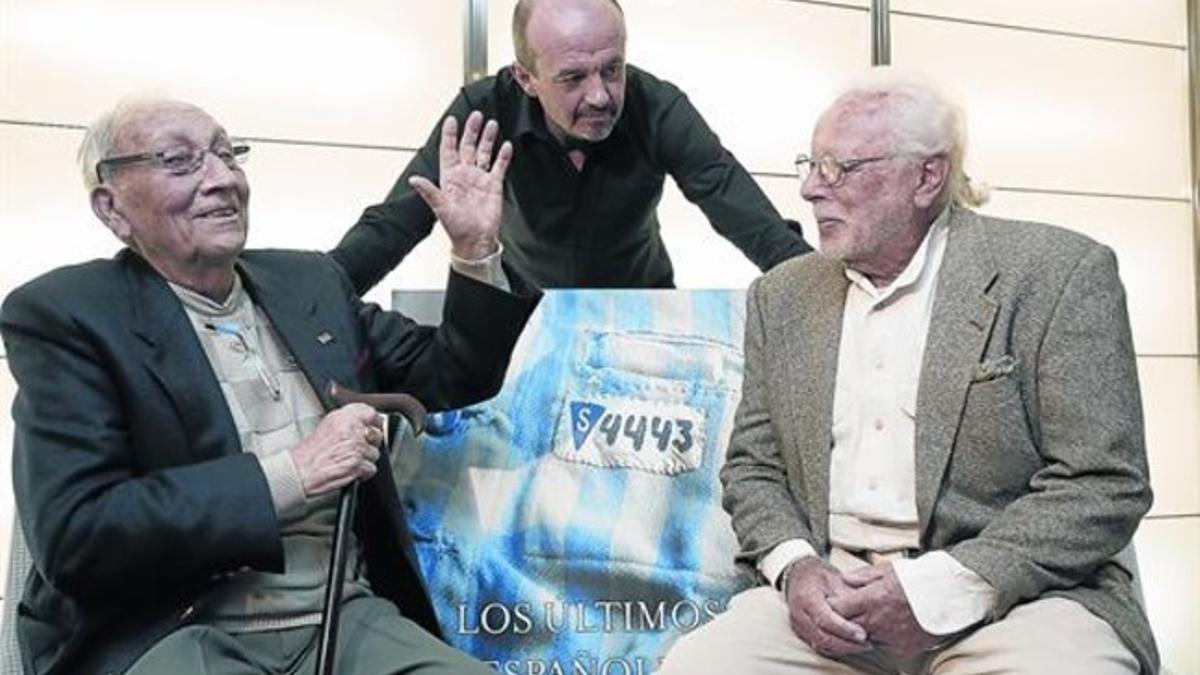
(593, 140)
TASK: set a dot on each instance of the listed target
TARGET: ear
(104, 205)
(935, 172)
(524, 79)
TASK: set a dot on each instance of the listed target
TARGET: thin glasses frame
(832, 170)
(232, 155)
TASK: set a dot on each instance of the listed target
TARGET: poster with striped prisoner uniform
(572, 524)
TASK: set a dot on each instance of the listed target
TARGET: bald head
(525, 50)
(571, 59)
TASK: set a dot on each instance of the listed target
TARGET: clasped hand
(344, 447)
(838, 614)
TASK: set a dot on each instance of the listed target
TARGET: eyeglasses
(179, 160)
(832, 170)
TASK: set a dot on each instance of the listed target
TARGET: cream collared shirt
(872, 475)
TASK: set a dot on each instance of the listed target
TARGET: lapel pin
(324, 337)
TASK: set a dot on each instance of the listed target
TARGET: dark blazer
(133, 491)
(1030, 458)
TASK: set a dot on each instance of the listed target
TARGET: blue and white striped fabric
(573, 522)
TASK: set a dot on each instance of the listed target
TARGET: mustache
(610, 109)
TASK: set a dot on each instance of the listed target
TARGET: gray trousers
(373, 639)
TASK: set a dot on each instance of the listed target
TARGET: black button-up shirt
(595, 227)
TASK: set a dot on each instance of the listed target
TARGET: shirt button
(878, 425)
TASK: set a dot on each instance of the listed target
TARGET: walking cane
(412, 411)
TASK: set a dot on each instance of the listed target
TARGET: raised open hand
(469, 198)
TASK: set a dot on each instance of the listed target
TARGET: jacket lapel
(321, 351)
(959, 329)
(813, 330)
(177, 361)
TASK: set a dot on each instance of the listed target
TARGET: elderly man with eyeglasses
(939, 453)
(178, 453)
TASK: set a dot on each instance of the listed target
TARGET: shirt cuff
(487, 269)
(945, 596)
(283, 480)
(773, 564)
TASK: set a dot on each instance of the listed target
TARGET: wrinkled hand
(811, 583)
(876, 601)
(469, 200)
(344, 447)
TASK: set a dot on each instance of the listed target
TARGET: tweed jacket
(1030, 458)
(133, 490)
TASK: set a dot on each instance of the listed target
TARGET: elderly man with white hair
(939, 448)
(178, 452)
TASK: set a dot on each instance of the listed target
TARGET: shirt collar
(205, 306)
(923, 264)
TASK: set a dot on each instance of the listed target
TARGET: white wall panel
(1171, 401)
(1054, 112)
(1149, 20)
(701, 257)
(307, 197)
(784, 193)
(1168, 557)
(369, 71)
(499, 37)
(1154, 242)
(425, 268)
(759, 71)
(43, 205)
